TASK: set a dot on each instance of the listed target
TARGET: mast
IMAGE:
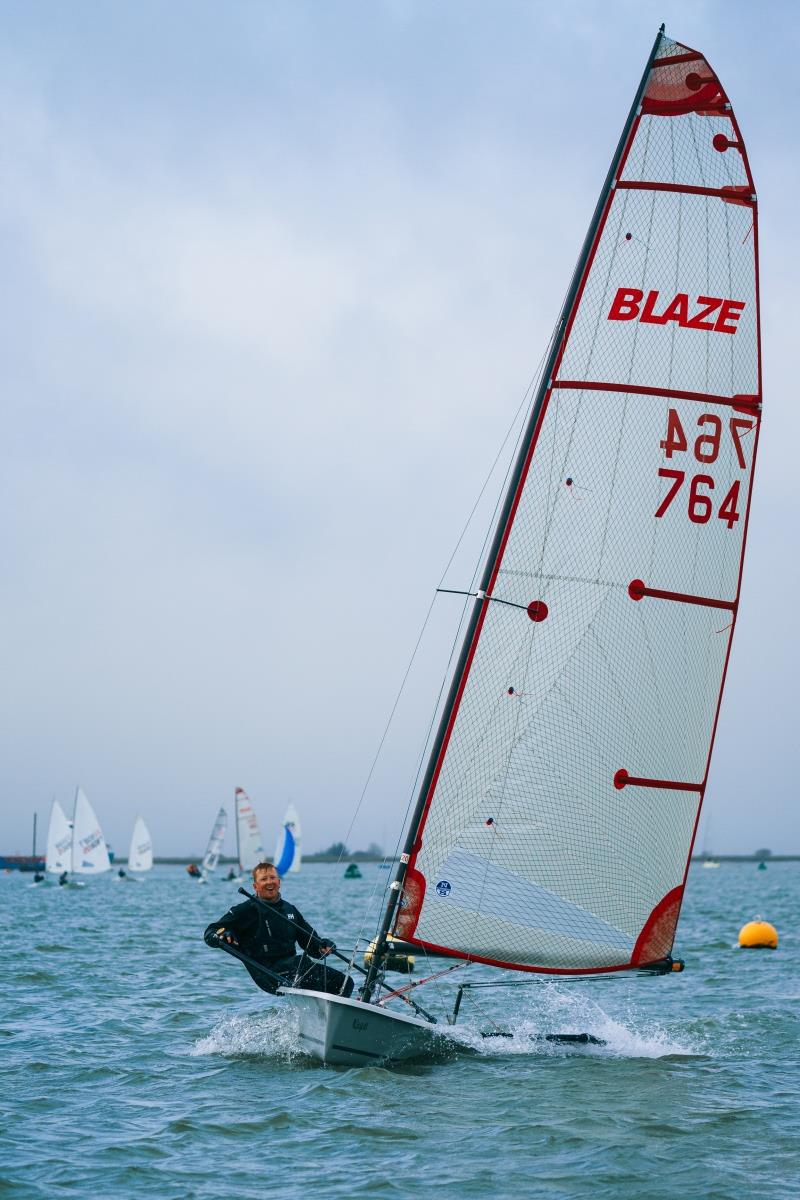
(501, 531)
(33, 851)
(238, 845)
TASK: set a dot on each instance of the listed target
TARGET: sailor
(122, 874)
(63, 879)
(267, 929)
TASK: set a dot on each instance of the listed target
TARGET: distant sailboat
(58, 857)
(249, 849)
(211, 856)
(89, 848)
(140, 855)
(287, 851)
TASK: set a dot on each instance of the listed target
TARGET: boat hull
(346, 1032)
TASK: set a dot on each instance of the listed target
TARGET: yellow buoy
(758, 935)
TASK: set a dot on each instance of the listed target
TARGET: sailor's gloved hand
(326, 947)
(224, 935)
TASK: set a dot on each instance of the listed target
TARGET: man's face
(267, 884)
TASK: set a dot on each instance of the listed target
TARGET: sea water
(136, 1062)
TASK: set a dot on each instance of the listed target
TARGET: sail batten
(553, 832)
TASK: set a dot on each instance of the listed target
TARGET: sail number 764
(701, 500)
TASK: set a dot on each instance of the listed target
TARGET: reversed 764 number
(706, 450)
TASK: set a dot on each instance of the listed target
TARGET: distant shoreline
(376, 858)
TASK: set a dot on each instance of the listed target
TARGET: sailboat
(140, 854)
(249, 850)
(554, 825)
(76, 847)
(215, 841)
(288, 854)
(58, 856)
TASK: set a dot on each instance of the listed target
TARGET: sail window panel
(680, 150)
(687, 244)
(669, 48)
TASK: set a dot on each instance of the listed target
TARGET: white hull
(351, 1033)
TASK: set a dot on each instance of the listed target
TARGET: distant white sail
(211, 856)
(140, 855)
(248, 838)
(288, 848)
(59, 841)
(89, 850)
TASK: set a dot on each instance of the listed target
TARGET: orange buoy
(758, 935)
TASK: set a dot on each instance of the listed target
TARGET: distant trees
(337, 850)
(762, 854)
(340, 850)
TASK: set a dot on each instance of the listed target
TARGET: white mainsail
(89, 850)
(563, 793)
(288, 854)
(59, 841)
(214, 847)
(248, 838)
(140, 855)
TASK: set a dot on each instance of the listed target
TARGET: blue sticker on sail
(443, 887)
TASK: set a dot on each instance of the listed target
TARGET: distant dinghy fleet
(249, 847)
(77, 848)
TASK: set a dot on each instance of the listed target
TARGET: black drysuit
(267, 932)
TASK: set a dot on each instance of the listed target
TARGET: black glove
(327, 945)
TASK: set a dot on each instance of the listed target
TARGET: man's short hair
(264, 866)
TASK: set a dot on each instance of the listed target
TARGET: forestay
(564, 792)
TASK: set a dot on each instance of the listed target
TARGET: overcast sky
(275, 279)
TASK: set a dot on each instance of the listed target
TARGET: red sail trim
(655, 941)
(692, 56)
(410, 904)
(703, 101)
(622, 780)
(448, 952)
(637, 589)
(741, 403)
(732, 193)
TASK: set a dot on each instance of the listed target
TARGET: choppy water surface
(136, 1062)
